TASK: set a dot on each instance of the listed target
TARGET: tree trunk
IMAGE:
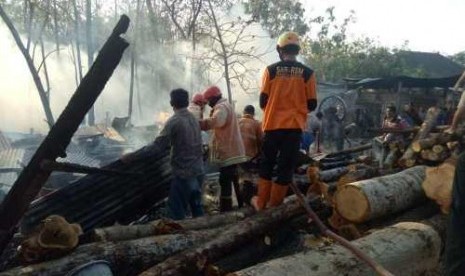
(351, 150)
(32, 69)
(333, 174)
(428, 124)
(133, 60)
(32, 178)
(153, 20)
(159, 227)
(224, 53)
(279, 242)
(407, 248)
(126, 257)
(55, 25)
(30, 19)
(429, 142)
(438, 183)
(357, 175)
(78, 42)
(416, 214)
(90, 52)
(372, 198)
(44, 62)
(337, 164)
(236, 236)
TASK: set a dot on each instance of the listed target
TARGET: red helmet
(198, 99)
(212, 91)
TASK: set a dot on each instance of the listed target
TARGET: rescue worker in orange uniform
(226, 146)
(252, 136)
(251, 132)
(288, 93)
(197, 106)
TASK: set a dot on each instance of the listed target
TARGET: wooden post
(32, 178)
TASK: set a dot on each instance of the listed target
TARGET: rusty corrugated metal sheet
(99, 200)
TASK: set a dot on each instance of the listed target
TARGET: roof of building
(433, 65)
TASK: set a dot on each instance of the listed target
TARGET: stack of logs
(389, 212)
(392, 215)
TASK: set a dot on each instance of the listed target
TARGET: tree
(278, 16)
(459, 58)
(90, 52)
(334, 57)
(35, 75)
(231, 50)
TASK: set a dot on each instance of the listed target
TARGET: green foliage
(459, 58)
(278, 16)
(335, 57)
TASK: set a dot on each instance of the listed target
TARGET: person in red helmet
(197, 106)
(226, 146)
(288, 93)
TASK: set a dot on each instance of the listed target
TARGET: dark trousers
(185, 193)
(228, 176)
(280, 147)
(455, 239)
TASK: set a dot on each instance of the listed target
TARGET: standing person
(410, 114)
(251, 132)
(288, 93)
(197, 106)
(252, 136)
(181, 134)
(226, 146)
(455, 238)
(315, 125)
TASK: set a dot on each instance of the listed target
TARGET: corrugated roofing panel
(99, 200)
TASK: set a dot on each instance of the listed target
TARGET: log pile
(383, 214)
(381, 211)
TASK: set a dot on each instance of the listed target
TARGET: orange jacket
(226, 146)
(252, 134)
(288, 86)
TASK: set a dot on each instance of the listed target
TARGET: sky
(429, 26)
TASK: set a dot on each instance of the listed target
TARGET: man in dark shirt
(181, 134)
(455, 237)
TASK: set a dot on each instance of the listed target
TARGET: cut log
(428, 124)
(127, 257)
(32, 178)
(368, 199)
(357, 175)
(165, 226)
(335, 158)
(430, 155)
(332, 174)
(438, 183)
(283, 241)
(350, 150)
(332, 165)
(407, 248)
(429, 142)
(417, 214)
(439, 148)
(236, 236)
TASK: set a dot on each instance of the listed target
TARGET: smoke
(164, 67)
